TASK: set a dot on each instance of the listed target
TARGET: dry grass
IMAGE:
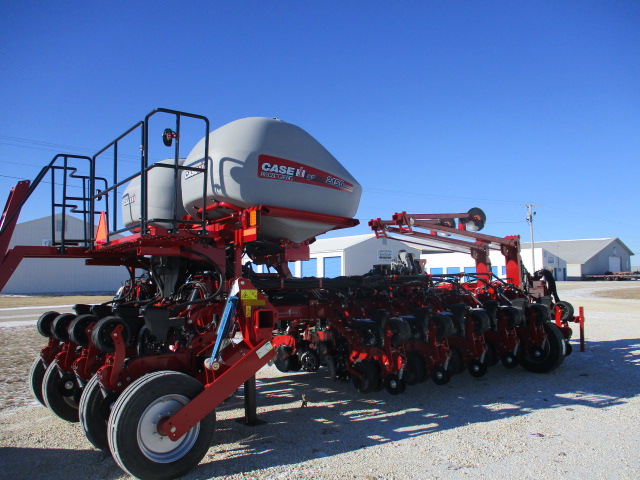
(628, 293)
(8, 301)
(19, 347)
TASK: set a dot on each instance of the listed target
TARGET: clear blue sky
(433, 106)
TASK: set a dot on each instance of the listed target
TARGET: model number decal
(280, 169)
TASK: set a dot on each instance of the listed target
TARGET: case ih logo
(281, 169)
(191, 173)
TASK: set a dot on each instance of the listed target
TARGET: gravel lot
(580, 421)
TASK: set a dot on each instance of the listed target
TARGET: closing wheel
(566, 311)
(60, 326)
(78, 329)
(394, 385)
(369, 379)
(549, 355)
(101, 334)
(61, 392)
(509, 360)
(44, 323)
(285, 360)
(95, 407)
(491, 357)
(415, 371)
(36, 377)
(440, 376)
(456, 362)
(134, 440)
(477, 369)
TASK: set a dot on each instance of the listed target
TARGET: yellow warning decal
(249, 295)
(247, 312)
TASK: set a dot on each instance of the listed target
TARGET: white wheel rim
(159, 448)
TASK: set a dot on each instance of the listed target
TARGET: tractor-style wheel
(78, 327)
(566, 311)
(394, 385)
(549, 355)
(36, 377)
(95, 408)
(369, 379)
(477, 369)
(440, 376)
(415, 371)
(134, 440)
(61, 392)
(44, 323)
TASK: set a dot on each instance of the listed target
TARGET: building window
(469, 270)
(332, 267)
(436, 271)
(309, 267)
(453, 270)
(292, 268)
(504, 271)
(494, 270)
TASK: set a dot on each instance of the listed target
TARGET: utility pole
(530, 215)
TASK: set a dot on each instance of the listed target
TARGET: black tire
(284, 358)
(101, 334)
(61, 393)
(94, 410)
(133, 444)
(36, 377)
(491, 357)
(415, 371)
(509, 360)
(370, 376)
(566, 311)
(78, 327)
(456, 362)
(477, 369)
(440, 376)
(44, 323)
(60, 326)
(550, 354)
(310, 361)
(394, 385)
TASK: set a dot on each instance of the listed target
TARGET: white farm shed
(353, 255)
(58, 275)
(593, 256)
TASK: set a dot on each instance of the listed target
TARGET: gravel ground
(580, 421)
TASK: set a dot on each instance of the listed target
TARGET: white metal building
(58, 275)
(353, 255)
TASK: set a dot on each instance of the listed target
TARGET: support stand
(250, 405)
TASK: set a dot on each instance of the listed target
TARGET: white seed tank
(161, 198)
(263, 161)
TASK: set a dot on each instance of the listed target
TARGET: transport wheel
(135, 443)
(394, 385)
(440, 376)
(101, 334)
(370, 379)
(36, 376)
(61, 392)
(477, 369)
(415, 371)
(509, 360)
(566, 311)
(44, 323)
(78, 327)
(94, 410)
(310, 361)
(549, 355)
(568, 348)
(60, 326)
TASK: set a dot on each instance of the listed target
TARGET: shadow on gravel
(69, 464)
(338, 419)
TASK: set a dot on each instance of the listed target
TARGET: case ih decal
(287, 170)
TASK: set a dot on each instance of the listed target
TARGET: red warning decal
(289, 171)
